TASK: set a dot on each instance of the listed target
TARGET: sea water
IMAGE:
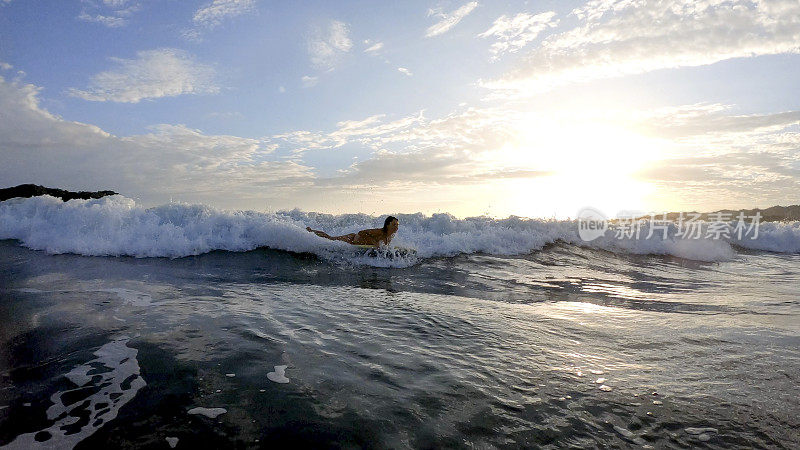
(185, 325)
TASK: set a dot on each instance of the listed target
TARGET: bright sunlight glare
(587, 164)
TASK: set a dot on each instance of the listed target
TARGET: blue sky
(253, 56)
(458, 106)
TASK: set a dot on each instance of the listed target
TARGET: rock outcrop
(33, 190)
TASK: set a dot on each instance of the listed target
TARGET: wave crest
(117, 226)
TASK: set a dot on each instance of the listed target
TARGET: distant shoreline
(771, 214)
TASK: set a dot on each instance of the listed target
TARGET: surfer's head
(390, 225)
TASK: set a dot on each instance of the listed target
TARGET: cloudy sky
(533, 108)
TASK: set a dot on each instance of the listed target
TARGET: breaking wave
(117, 226)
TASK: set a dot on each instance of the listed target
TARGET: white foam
(624, 431)
(781, 237)
(131, 297)
(122, 364)
(116, 225)
(279, 375)
(211, 413)
(696, 249)
(629, 435)
(230, 375)
(692, 430)
(172, 441)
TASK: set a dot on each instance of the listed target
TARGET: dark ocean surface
(559, 345)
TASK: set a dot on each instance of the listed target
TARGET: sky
(533, 108)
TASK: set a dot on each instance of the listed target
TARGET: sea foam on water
(117, 226)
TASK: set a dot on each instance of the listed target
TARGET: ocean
(188, 326)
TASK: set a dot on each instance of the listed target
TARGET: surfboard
(386, 252)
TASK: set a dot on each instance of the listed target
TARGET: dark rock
(33, 190)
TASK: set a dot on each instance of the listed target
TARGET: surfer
(372, 236)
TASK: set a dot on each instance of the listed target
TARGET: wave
(117, 226)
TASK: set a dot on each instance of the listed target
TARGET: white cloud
(42, 148)
(109, 21)
(111, 13)
(374, 48)
(514, 33)
(417, 151)
(368, 132)
(448, 21)
(414, 151)
(429, 167)
(712, 157)
(153, 74)
(217, 11)
(5, 66)
(309, 81)
(708, 120)
(717, 158)
(214, 14)
(758, 176)
(405, 71)
(224, 115)
(623, 37)
(328, 45)
(353, 125)
(182, 162)
(24, 124)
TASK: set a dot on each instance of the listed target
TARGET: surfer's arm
(321, 234)
(349, 238)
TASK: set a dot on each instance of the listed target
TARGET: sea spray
(117, 226)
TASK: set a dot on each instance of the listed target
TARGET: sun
(588, 163)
